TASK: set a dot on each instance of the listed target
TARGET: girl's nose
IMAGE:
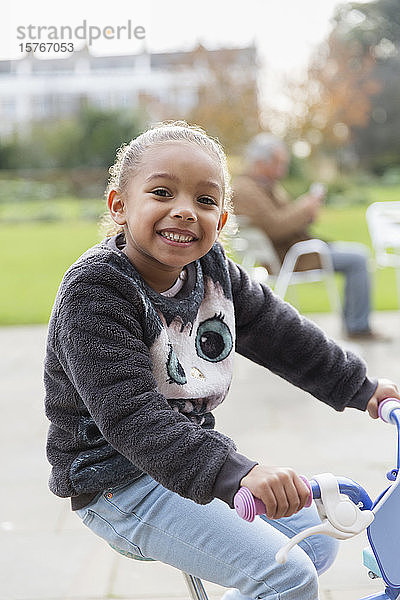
(184, 211)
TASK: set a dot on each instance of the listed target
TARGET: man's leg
(351, 259)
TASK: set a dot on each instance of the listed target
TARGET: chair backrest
(383, 220)
(254, 247)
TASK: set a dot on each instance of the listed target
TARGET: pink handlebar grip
(248, 506)
(310, 497)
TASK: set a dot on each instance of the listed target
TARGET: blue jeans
(211, 541)
(351, 259)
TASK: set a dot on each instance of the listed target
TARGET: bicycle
(345, 509)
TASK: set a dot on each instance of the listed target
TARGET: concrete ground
(45, 552)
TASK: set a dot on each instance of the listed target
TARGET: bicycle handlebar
(343, 505)
(248, 506)
(389, 412)
(387, 408)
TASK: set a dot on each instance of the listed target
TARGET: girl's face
(173, 210)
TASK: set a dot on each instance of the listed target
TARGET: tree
(354, 85)
(227, 102)
(88, 139)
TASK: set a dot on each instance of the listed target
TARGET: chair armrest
(313, 246)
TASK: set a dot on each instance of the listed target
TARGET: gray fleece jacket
(132, 377)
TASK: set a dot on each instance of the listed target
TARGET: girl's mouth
(177, 238)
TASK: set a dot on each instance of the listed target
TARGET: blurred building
(32, 89)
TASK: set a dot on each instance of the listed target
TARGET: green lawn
(34, 256)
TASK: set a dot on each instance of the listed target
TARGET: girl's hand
(385, 389)
(280, 489)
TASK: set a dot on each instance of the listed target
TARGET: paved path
(45, 552)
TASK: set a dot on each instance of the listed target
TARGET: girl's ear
(222, 220)
(116, 207)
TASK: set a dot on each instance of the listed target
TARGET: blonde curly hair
(129, 157)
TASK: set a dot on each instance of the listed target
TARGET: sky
(285, 31)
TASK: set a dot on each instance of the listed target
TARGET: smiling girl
(140, 352)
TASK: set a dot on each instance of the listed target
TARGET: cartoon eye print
(214, 339)
(175, 370)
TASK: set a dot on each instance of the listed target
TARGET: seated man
(259, 196)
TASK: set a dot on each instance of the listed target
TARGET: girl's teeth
(176, 237)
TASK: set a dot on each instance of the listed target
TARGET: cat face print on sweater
(193, 362)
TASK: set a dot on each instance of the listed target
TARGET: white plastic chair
(383, 220)
(253, 247)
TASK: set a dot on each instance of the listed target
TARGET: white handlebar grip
(386, 407)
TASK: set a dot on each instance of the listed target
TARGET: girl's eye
(161, 192)
(207, 200)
